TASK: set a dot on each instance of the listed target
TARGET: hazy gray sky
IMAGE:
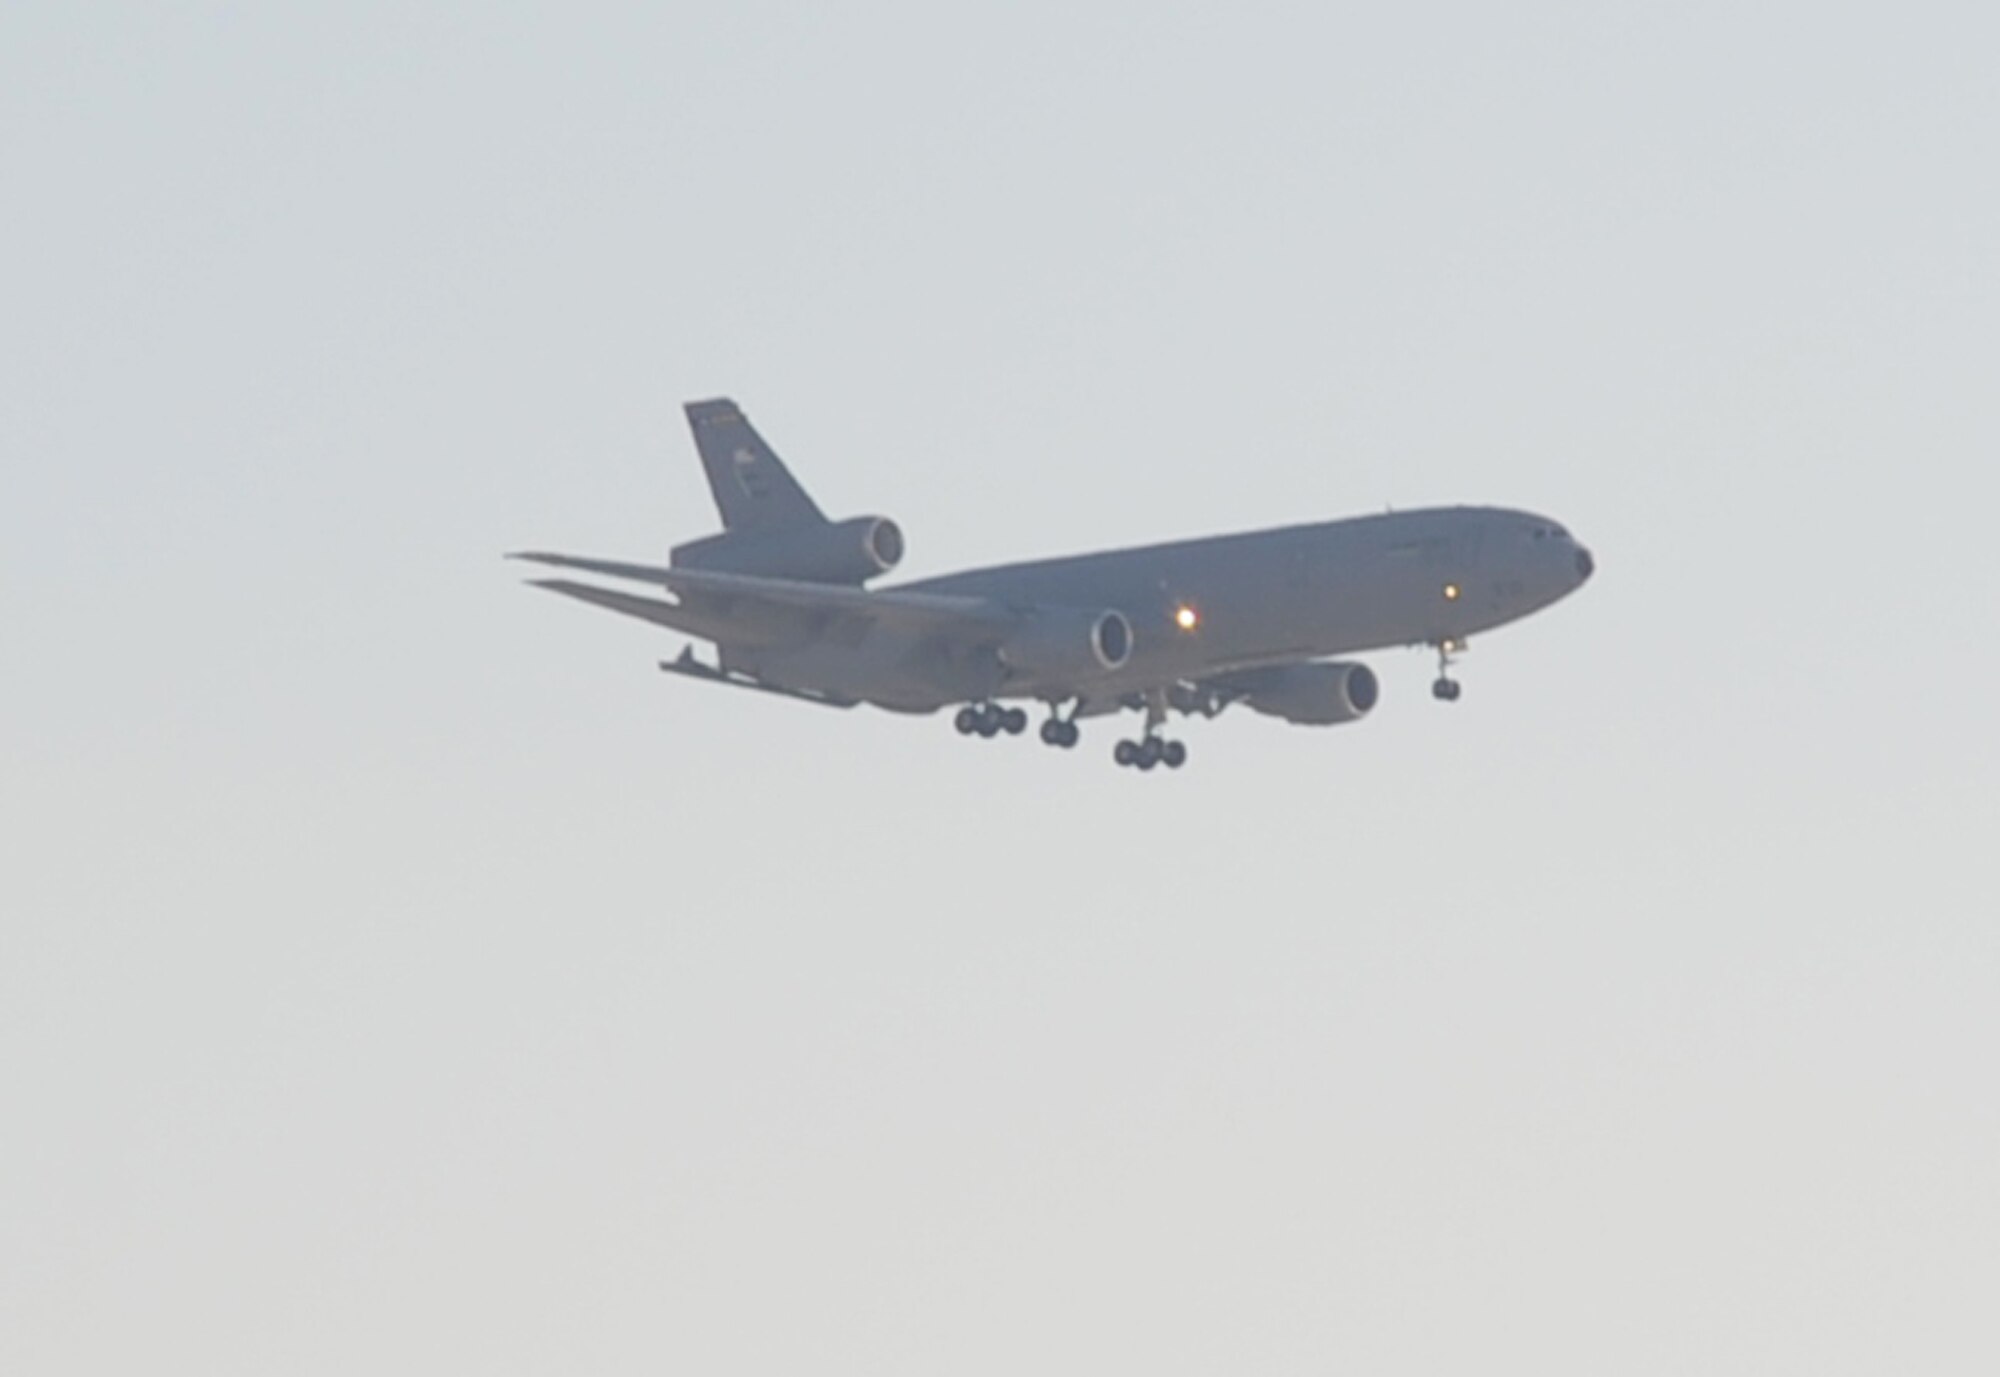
(398, 974)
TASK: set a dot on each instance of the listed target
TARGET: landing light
(1451, 592)
(1186, 618)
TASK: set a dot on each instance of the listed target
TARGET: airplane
(1260, 618)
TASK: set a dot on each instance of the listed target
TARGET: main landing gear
(1062, 733)
(989, 720)
(1150, 750)
(1446, 688)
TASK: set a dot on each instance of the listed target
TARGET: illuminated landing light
(1451, 592)
(1186, 618)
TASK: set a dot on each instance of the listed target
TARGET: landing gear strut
(1446, 688)
(989, 720)
(1061, 731)
(1150, 750)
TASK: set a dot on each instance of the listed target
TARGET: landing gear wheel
(1151, 752)
(967, 721)
(1173, 755)
(1052, 732)
(1445, 689)
(1071, 734)
(1012, 721)
(1125, 753)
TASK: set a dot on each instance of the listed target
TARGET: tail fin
(753, 488)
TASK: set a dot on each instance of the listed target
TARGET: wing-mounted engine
(850, 552)
(1063, 645)
(1320, 694)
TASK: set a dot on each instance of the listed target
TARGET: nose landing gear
(1446, 689)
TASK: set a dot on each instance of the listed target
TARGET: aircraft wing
(719, 606)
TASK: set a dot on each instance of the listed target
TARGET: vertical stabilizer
(753, 488)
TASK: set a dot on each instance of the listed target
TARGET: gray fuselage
(1290, 594)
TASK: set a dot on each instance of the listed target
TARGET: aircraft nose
(1585, 565)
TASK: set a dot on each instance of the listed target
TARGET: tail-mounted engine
(851, 551)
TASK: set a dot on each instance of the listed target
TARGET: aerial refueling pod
(1065, 644)
(851, 551)
(1315, 695)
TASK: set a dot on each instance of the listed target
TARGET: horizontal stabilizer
(911, 610)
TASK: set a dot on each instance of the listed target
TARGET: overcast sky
(398, 973)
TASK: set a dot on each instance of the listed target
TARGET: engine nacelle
(1317, 695)
(851, 551)
(1060, 645)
